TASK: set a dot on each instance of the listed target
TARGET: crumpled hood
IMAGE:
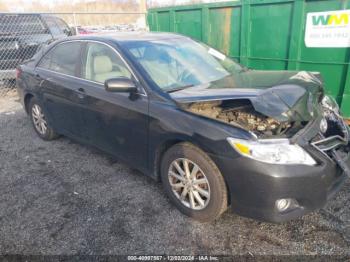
(283, 95)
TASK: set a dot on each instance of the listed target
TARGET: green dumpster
(272, 35)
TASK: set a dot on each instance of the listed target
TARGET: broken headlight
(273, 151)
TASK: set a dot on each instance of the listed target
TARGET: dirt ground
(64, 198)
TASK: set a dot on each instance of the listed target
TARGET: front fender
(169, 124)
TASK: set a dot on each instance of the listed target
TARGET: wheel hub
(189, 183)
(39, 121)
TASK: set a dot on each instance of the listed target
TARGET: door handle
(81, 93)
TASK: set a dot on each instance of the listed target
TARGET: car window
(64, 58)
(102, 63)
(178, 63)
(138, 52)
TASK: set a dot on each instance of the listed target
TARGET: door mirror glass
(120, 84)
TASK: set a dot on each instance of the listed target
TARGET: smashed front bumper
(256, 186)
(334, 143)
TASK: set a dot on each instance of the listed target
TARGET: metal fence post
(75, 22)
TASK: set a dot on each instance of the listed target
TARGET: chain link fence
(22, 35)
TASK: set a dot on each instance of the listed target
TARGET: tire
(35, 109)
(214, 201)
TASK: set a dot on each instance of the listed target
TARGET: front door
(113, 121)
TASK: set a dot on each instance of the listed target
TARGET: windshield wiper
(179, 88)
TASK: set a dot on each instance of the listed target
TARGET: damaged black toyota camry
(270, 144)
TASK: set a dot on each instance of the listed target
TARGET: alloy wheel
(189, 183)
(39, 121)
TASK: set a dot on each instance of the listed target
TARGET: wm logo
(342, 19)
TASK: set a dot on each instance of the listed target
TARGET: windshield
(178, 63)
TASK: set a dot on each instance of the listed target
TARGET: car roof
(128, 36)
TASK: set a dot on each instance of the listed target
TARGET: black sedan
(270, 144)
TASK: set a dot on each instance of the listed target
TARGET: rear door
(61, 90)
(113, 121)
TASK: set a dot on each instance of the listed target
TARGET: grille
(335, 139)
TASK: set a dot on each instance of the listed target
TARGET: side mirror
(121, 85)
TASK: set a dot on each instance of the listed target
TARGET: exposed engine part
(335, 124)
(242, 114)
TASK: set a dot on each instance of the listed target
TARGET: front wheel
(193, 182)
(39, 121)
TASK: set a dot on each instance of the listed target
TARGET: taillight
(18, 73)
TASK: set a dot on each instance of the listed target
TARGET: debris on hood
(283, 96)
(241, 113)
(267, 103)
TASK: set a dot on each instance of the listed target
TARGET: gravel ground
(64, 198)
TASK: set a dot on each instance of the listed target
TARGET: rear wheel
(39, 121)
(193, 182)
